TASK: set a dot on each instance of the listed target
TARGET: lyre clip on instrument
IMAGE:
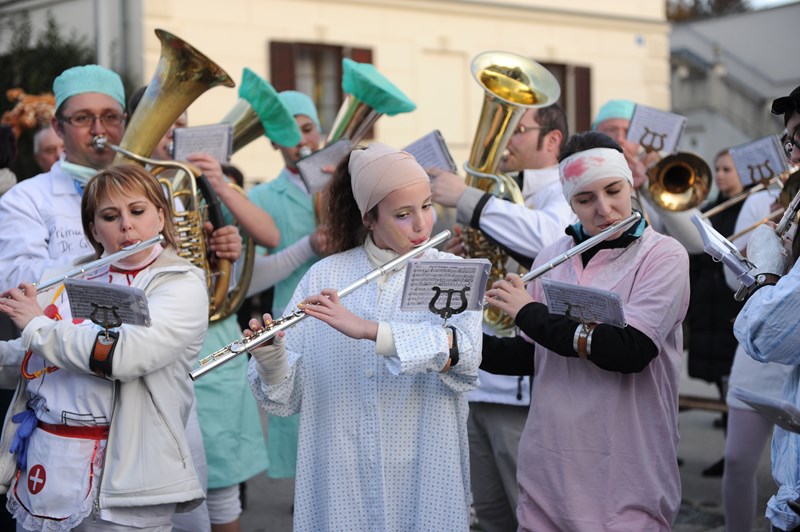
(269, 332)
(99, 263)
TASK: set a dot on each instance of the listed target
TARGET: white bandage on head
(588, 166)
(378, 171)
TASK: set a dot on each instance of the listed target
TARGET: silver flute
(587, 244)
(99, 263)
(243, 345)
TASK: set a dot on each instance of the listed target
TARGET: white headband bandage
(378, 171)
(584, 167)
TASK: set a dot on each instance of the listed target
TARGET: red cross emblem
(36, 479)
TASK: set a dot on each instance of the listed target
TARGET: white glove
(765, 250)
(273, 367)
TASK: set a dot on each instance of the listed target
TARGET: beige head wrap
(380, 170)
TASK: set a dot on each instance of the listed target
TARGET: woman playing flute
(599, 448)
(99, 438)
(380, 391)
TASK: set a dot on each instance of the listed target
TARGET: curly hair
(342, 219)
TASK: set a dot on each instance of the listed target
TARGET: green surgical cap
(88, 78)
(364, 82)
(279, 124)
(614, 109)
(300, 104)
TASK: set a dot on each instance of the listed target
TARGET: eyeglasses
(521, 129)
(81, 119)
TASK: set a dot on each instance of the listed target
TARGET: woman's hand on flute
(273, 366)
(327, 307)
(509, 295)
(20, 305)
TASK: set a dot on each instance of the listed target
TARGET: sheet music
(310, 167)
(454, 274)
(129, 303)
(759, 159)
(722, 250)
(656, 130)
(215, 140)
(583, 303)
(431, 151)
(779, 411)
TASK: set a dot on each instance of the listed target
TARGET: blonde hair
(124, 179)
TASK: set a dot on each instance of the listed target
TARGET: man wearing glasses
(499, 407)
(41, 216)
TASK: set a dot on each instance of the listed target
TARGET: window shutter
(281, 65)
(583, 98)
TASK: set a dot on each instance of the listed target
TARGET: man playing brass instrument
(499, 407)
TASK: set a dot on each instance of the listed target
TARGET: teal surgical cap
(88, 78)
(614, 109)
(300, 104)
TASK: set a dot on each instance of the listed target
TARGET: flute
(232, 350)
(587, 244)
(99, 263)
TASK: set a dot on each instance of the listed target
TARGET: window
(576, 94)
(313, 69)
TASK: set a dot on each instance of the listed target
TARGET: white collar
(534, 180)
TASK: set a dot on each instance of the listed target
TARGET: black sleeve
(625, 350)
(507, 356)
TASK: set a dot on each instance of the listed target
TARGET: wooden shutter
(281, 65)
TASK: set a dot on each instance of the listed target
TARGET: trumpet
(230, 351)
(99, 263)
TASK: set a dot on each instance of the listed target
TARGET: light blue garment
(768, 328)
(229, 419)
(293, 212)
(383, 439)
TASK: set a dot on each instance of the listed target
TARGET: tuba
(181, 76)
(512, 84)
(257, 112)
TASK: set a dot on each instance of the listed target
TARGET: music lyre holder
(583, 315)
(654, 145)
(105, 316)
(448, 310)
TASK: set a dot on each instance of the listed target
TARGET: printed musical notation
(422, 275)
(759, 160)
(656, 130)
(431, 151)
(311, 167)
(215, 140)
(584, 304)
(128, 303)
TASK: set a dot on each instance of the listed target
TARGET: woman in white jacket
(106, 438)
(380, 391)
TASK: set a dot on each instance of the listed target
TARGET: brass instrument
(679, 182)
(230, 351)
(512, 84)
(182, 75)
(788, 191)
(127, 251)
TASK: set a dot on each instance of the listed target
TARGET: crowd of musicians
(387, 419)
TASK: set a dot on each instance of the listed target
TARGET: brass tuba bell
(512, 84)
(182, 75)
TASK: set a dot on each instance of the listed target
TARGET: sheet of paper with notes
(92, 300)
(584, 304)
(434, 281)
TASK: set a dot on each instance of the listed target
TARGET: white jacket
(41, 227)
(147, 458)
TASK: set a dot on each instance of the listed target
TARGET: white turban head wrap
(379, 170)
(585, 167)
